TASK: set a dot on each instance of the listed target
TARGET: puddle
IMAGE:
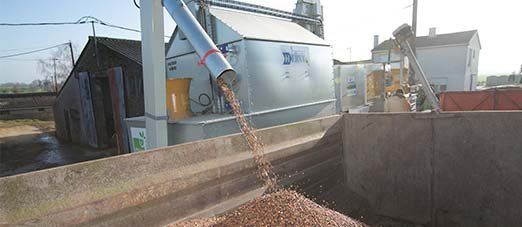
(42, 152)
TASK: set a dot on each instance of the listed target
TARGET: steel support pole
(154, 75)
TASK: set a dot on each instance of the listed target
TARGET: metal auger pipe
(402, 37)
(209, 54)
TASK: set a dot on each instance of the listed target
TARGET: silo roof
(255, 26)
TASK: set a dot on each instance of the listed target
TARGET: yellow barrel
(178, 99)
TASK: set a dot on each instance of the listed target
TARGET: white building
(450, 61)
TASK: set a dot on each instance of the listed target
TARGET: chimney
(375, 41)
(433, 32)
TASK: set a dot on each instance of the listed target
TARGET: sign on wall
(351, 86)
(294, 55)
(139, 139)
(296, 61)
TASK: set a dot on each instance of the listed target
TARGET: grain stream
(264, 168)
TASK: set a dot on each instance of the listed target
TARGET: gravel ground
(282, 208)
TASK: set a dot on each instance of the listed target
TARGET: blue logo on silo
(287, 58)
(295, 57)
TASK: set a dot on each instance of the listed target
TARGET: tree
(15, 89)
(37, 85)
(62, 58)
(48, 85)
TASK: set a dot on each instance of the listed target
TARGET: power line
(79, 21)
(33, 51)
(82, 20)
(37, 24)
(120, 27)
(18, 49)
(29, 60)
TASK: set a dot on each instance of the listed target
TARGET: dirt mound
(282, 208)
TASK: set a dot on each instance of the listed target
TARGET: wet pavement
(42, 151)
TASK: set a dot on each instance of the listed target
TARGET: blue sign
(224, 48)
(287, 58)
(294, 55)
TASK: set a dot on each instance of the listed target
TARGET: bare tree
(15, 89)
(60, 60)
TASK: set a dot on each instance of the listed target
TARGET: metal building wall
(67, 111)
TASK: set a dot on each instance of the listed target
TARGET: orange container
(178, 98)
(492, 99)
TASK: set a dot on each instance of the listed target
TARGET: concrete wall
(190, 180)
(452, 169)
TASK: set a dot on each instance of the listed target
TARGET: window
(443, 87)
(438, 88)
(439, 84)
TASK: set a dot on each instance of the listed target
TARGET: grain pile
(281, 208)
(264, 167)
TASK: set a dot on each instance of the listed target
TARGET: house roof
(256, 26)
(128, 48)
(440, 40)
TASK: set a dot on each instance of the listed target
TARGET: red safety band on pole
(209, 52)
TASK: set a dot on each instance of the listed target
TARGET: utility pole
(55, 77)
(414, 22)
(95, 46)
(72, 53)
(413, 79)
(93, 30)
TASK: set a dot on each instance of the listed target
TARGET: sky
(349, 27)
